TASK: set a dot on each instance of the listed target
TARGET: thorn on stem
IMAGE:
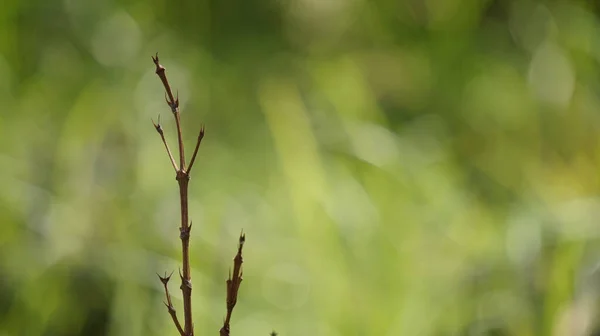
(173, 104)
(164, 279)
(242, 238)
(184, 232)
(159, 68)
(157, 126)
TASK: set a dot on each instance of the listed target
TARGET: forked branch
(183, 178)
(169, 304)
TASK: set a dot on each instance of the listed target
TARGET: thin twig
(169, 304)
(235, 279)
(200, 137)
(162, 136)
(160, 71)
(233, 285)
(180, 139)
(173, 103)
(183, 178)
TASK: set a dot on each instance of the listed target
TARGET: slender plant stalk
(233, 285)
(183, 177)
(169, 304)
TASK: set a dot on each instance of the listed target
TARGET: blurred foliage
(400, 167)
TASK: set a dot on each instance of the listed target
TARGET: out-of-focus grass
(400, 168)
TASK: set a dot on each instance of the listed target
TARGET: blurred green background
(412, 167)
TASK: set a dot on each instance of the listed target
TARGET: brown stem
(180, 141)
(183, 178)
(162, 136)
(160, 71)
(200, 137)
(169, 304)
(233, 285)
(184, 233)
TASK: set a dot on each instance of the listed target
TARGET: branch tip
(159, 68)
(157, 125)
(164, 279)
(183, 176)
(200, 137)
(162, 137)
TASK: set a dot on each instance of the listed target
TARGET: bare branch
(169, 304)
(180, 142)
(160, 71)
(200, 137)
(162, 136)
(173, 103)
(182, 178)
(233, 285)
